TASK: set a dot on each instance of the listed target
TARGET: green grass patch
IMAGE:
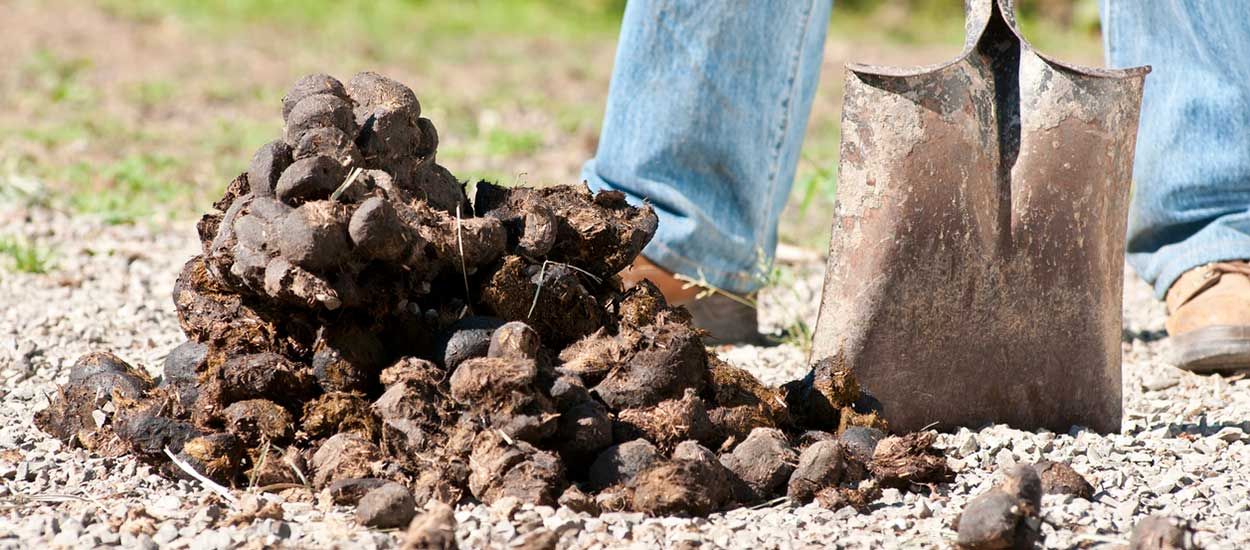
(151, 93)
(501, 142)
(56, 77)
(25, 256)
(128, 190)
(77, 128)
(392, 27)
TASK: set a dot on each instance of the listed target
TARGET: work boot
(1209, 318)
(726, 320)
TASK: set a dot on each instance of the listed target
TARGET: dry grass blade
(542, 275)
(208, 483)
(260, 464)
(351, 178)
(708, 289)
(464, 270)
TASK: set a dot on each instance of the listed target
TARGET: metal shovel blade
(977, 258)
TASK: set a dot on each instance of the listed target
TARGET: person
(1189, 221)
(709, 102)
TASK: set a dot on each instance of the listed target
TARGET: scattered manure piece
(514, 340)
(763, 462)
(734, 424)
(594, 356)
(531, 225)
(412, 370)
(671, 360)
(578, 501)
(732, 386)
(861, 414)
(330, 143)
(270, 466)
(314, 235)
(219, 456)
(376, 232)
(319, 111)
(467, 338)
(108, 375)
(339, 412)
(901, 461)
(583, 429)
(860, 444)
(487, 381)
(344, 456)
(859, 497)
(1006, 516)
(550, 297)
(1161, 532)
(385, 507)
(433, 530)
(1059, 478)
(309, 85)
(810, 437)
(692, 483)
(597, 232)
(349, 491)
(182, 370)
(147, 432)
(619, 464)
(669, 423)
(348, 357)
(820, 466)
(500, 469)
(641, 304)
(819, 399)
(256, 421)
(268, 164)
(264, 375)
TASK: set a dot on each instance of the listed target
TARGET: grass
(24, 256)
(392, 28)
(126, 191)
(149, 94)
(56, 77)
(507, 143)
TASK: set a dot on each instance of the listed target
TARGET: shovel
(977, 259)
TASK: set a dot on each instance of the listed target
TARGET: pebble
(390, 505)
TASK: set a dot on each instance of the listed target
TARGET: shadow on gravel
(1147, 336)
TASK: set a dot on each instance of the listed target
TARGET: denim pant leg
(1191, 202)
(705, 117)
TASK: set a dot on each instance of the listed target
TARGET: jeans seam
(774, 167)
(1173, 269)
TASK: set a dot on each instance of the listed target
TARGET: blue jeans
(709, 103)
(705, 118)
(1191, 201)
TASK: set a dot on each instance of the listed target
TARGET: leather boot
(1209, 318)
(726, 320)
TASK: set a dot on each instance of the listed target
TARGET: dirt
(354, 316)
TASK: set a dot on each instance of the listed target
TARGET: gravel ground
(1183, 450)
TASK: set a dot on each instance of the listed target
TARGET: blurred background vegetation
(140, 111)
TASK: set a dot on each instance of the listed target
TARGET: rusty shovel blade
(977, 258)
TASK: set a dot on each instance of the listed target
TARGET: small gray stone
(390, 505)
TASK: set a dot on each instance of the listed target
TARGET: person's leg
(1191, 203)
(705, 116)
(1190, 216)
